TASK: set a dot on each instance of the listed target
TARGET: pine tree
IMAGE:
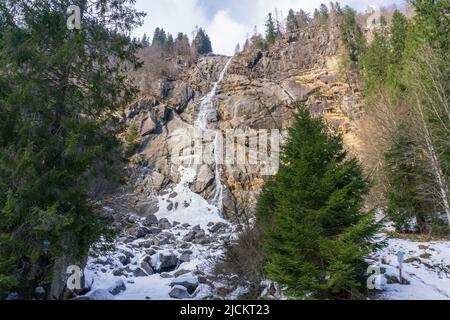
(59, 96)
(271, 33)
(376, 60)
(202, 43)
(410, 183)
(432, 23)
(399, 33)
(145, 41)
(323, 13)
(310, 212)
(169, 44)
(291, 23)
(352, 35)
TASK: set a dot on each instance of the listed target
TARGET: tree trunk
(438, 173)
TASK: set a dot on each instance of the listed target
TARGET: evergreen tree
(271, 33)
(59, 97)
(316, 14)
(292, 22)
(432, 23)
(181, 45)
(145, 41)
(169, 44)
(323, 12)
(310, 212)
(352, 35)
(202, 43)
(399, 33)
(409, 193)
(159, 38)
(376, 60)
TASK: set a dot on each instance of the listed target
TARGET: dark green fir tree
(314, 231)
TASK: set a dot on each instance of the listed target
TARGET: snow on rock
(182, 205)
(426, 267)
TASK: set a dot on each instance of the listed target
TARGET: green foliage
(202, 43)
(409, 66)
(409, 193)
(271, 33)
(376, 61)
(310, 212)
(432, 23)
(399, 33)
(352, 35)
(60, 91)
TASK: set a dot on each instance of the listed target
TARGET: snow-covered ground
(426, 267)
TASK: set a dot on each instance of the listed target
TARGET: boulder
(139, 273)
(205, 177)
(148, 208)
(218, 226)
(189, 282)
(164, 262)
(166, 275)
(164, 224)
(124, 260)
(117, 288)
(185, 257)
(100, 294)
(40, 292)
(146, 267)
(189, 236)
(179, 292)
(151, 220)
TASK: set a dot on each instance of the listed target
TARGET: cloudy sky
(227, 22)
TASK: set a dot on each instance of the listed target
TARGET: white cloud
(225, 33)
(226, 22)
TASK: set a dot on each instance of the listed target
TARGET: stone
(189, 236)
(180, 273)
(200, 234)
(151, 220)
(155, 230)
(179, 292)
(148, 124)
(138, 232)
(117, 288)
(13, 296)
(146, 267)
(146, 243)
(205, 177)
(139, 273)
(40, 292)
(189, 282)
(185, 257)
(166, 275)
(100, 294)
(118, 272)
(218, 226)
(164, 224)
(164, 262)
(124, 260)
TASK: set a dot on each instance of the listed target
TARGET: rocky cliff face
(189, 195)
(258, 92)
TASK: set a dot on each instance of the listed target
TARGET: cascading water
(184, 205)
(206, 114)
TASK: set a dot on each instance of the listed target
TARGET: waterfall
(206, 114)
